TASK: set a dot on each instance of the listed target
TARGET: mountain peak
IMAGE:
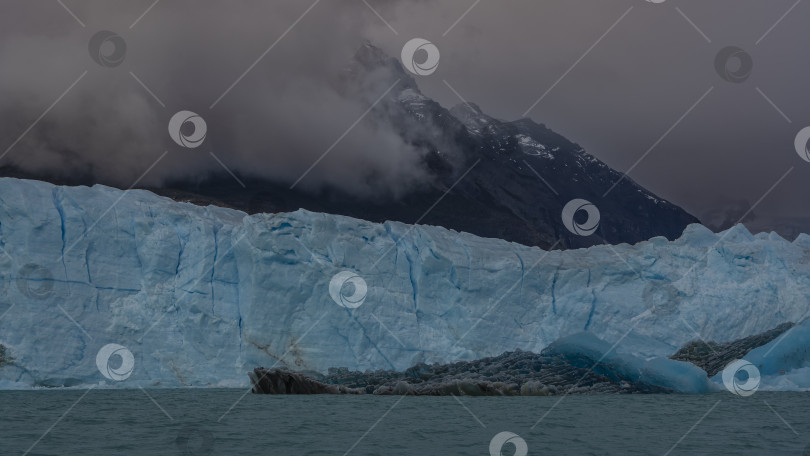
(370, 56)
(371, 60)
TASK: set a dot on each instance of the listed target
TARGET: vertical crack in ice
(233, 235)
(118, 242)
(372, 342)
(135, 243)
(554, 290)
(412, 273)
(180, 248)
(593, 310)
(593, 301)
(469, 260)
(213, 266)
(522, 277)
(87, 268)
(60, 210)
(239, 323)
(414, 269)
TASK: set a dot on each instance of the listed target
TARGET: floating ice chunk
(678, 376)
(789, 351)
(586, 350)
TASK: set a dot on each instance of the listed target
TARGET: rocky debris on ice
(713, 357)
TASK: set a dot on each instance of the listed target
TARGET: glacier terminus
(201, 295)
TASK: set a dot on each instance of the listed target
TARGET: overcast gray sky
(636, 82)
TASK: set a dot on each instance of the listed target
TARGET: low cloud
(281, 116)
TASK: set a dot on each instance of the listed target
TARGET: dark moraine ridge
(517, 373)
(713, 357)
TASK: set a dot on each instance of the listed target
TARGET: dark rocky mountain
(524, 176)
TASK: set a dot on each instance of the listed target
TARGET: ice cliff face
(200, 296)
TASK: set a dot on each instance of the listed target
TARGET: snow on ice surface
(201, 295)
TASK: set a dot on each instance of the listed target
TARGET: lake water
(198, 422)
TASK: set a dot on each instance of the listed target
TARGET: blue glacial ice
(783, 363)
(201, 295)
(587, 351)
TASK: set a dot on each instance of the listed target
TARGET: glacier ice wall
(201, 295)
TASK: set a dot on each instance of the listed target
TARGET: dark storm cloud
(274, 123)
(617, 102)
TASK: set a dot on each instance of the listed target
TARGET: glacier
(202, 295)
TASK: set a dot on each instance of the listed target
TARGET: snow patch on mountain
(532, 147)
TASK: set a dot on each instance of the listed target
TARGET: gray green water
(127, 422)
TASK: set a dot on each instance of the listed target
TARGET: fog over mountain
(651, 63)
(274, 124)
